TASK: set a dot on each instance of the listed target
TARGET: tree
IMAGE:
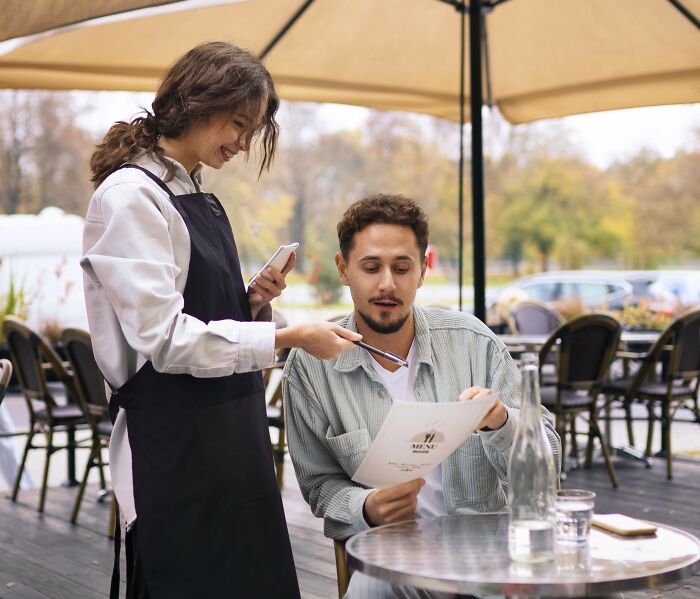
(43, 153)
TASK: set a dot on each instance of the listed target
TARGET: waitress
(181, 342)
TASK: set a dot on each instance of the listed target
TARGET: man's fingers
(398, 491)
(469, 393)
(390, 509)
(472, 392)
(405, 512)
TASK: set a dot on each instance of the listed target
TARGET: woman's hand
(263, 290)
(497, 416)
(323, 340)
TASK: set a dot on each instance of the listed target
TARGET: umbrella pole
(477, 160)
(460, 189)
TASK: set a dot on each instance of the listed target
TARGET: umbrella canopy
(22, 18)
(542, 58)
(547, 58)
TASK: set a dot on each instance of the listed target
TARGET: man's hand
(496, 417)
(393, 504)
(263, 290)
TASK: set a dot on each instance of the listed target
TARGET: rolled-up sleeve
(322, 480)
(128, 254)
(504, 378)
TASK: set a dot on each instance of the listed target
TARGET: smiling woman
(181, 341)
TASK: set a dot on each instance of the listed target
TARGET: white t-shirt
(399, 384)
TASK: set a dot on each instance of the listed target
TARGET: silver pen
(384, 354)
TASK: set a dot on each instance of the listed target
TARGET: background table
(469, 554)
(535, 342)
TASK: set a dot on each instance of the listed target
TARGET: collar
(154, 164)
(358, 357)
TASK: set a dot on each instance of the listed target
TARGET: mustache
(385, 298)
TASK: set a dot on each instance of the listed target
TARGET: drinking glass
(574, 515)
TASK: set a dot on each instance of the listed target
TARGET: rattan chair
(533, 318)
(667, 380)
(275, 416)
(32, 357)
(5, 376)
(342, 569)
(91, 394)
(587, 346)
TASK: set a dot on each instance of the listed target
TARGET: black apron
(210, 517)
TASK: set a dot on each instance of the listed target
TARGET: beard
(384, 328)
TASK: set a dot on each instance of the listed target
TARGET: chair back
(587, 346)
(29, 352)
(89, 383)
(685, 356)
(533, 318)
(5, 376)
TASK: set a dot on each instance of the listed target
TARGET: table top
(469, 554)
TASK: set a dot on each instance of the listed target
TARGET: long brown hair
(210, 79)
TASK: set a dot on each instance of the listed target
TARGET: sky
(603, 137)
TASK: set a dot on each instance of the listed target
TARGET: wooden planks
(45, 557)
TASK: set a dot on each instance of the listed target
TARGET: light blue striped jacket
(334, 409)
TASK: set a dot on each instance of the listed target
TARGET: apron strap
(114, 586)
(151, 176)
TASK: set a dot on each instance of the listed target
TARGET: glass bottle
(531, 476)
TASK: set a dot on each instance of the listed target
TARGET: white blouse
(136, 257)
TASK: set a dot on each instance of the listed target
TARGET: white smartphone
(623, 525)
(278, 260)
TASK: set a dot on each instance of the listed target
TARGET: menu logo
(427, 441)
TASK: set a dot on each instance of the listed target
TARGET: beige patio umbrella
(545, 58)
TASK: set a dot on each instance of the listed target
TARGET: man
(335, 408)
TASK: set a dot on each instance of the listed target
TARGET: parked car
(591, 288)
(673, 290)
(660, 291)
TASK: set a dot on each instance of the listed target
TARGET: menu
(417, 436)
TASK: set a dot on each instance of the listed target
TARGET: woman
(180, 341)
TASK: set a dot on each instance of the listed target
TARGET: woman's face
(220, 138)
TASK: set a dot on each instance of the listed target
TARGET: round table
(469, 555)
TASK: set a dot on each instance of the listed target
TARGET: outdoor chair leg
(45, 479)
(574, 442)
(101, 465)
(591, 438)
(650, 427)
(628, 419)
(81, 488)
(20, 471)
(112, 517)
(666, 437)
(561, 430)
(606, 452)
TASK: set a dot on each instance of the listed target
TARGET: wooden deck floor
(44, 556)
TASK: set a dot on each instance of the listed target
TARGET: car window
(591, 292)
(543, 292)
(612, 288)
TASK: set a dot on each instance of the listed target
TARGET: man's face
(384, 270)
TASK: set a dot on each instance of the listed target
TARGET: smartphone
(623, 525)
(278, 260)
